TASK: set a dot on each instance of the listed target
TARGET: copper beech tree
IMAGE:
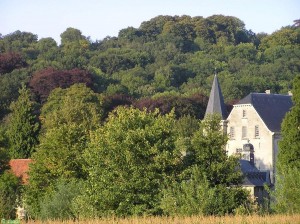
(44, 81)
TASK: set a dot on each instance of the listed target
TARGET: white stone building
(256, 120)
(253, 127)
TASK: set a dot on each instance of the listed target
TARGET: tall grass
(255, 219)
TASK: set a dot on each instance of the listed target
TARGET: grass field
(280, 219)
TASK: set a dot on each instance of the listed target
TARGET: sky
(101, 18)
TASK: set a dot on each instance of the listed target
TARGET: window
(244, 113)
(238, 150)
(244, 132)
(231, 133)
(256, 134)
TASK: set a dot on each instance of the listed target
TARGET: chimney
(268, 91)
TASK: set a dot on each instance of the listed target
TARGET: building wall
(258, 194)
(245, 115)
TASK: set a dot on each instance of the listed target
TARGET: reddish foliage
(111, 102)
(43, 82)
(230, 104)
(10, 61)
(194, 105)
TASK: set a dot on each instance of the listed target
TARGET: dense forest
(59, 106)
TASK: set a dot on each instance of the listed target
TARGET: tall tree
(289, 146)
(288, 164)
(210, 156)
(67, 118)
(209, 184)
(129, 161)
(23, 127)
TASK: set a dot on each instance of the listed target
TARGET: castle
(253, 128)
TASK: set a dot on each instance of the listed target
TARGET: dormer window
(244, 113)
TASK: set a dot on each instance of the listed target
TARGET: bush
(59, 203)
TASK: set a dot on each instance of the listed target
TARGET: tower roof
(216, 102)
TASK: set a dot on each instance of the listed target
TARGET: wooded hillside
(167, 56)
(152, 156)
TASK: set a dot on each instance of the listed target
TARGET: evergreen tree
(288, 165)
(23, 128)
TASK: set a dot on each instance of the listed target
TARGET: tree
(10, 83)
(71, 35)
(77, 105)
(113, 101)
(4, 160)
(49, 55)
(208, 150)
(289, 154)
(17, 41)
(209, 183)
(288, 163)
(23, 128)
(9, 187)
(287, 191)
(10, 61)
(67, 118)
(74, 48)
(193, 106)
(195, 197)
(129, 161)
(9, 192)
(43, 82)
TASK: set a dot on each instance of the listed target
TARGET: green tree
(75, 105)
(10, 83)
(4, 160)
(195, 197)
(287, 191)
(129, 161)
(71, 35)
(208, 150)
(18, 42)
(209, 184)
(9, 192)
(289, 153)
(288, 163)
(23, 128)
(68, 117)
(74, 49)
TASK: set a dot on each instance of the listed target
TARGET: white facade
(246, 126)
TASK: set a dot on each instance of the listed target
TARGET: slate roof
(216, 101)
(20, 168)
(270, 107)
(253, 176)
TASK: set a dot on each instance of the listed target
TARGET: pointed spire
(216, 101)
